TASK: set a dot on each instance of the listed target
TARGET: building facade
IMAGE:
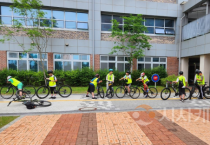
(82, 36)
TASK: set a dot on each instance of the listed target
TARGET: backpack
(30, 105)
(181, 83)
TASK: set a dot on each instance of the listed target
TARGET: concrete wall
(185, 66)
(205, 67)
(190, 4)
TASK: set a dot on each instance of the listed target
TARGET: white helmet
(9, 77)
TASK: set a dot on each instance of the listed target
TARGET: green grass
(4, 120)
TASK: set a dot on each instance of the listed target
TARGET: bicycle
(27, 93)
(63, 90)
(195, 92)
(121, 90)
(100, 91)
(110, 90)
(166, 92)
(7, 92)
(152, 93)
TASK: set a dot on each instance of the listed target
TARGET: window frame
(151, 62)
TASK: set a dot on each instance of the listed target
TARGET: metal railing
(196, 28)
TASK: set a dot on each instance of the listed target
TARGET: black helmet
(200, 71)
(50, 71)
(181, 72)
(197, 71)
(97, 75)
(128, 72)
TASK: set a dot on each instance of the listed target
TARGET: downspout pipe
(180, 42)
(93, 32)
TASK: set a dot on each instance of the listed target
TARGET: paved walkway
(161, 127)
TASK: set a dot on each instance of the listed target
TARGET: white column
(185, 66)
(205, 66)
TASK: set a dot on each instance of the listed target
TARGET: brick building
(82, 35)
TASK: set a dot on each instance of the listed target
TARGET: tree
(32, 25)
(132, 40)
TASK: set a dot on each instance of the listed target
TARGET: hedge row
(75, 77)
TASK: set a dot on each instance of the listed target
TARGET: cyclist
(129, 81)
(52, 84)
(182, 82)
(146, 82)
(109, 78)
(201, 83)
(15, 83)
(93, 85)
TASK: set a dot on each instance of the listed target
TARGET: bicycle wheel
(25, 94)
(187, 93)
(30, 90)
(101, 92)
(41, 103)
(120, 92)
(42, 92)
(65, 91)
(165, 93)
(195, 92)
(110, 93)
(7, 92)
(134, 93)
(207, 92)
(152, 92)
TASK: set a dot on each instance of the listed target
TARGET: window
(69, 62)
(151, 62)
(26, 61)
(52, 18)
(154, 25)
(115, 62)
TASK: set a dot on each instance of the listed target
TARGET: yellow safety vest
(52, 84)
(15, 82)
(94, 82)
(201, 82)
(129, 80)
(146, 80)
(110, 78)
(182, 78)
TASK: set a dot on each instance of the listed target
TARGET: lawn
(4, 120)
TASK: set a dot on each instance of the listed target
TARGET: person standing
(109, 78)
(201, 83)
(182, 83)
(52, 84)
(93, 85)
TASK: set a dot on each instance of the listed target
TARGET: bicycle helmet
(97, 75)
(110, 70)
(50, 71)
(128, 72)
(181, 72)
(9, 77)
(197, 71)
(142, 74)
(200, 72)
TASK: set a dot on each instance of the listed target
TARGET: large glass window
(154, 25)
(151, 62)
(69, 62)
(114, 62)
(26, 61)
(52, 18)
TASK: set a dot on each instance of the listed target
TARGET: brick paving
(162, 127)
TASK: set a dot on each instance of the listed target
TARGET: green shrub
(74, 77)
(169, 78)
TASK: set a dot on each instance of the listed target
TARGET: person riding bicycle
(129, 81)
(182, 83)
(93, 85)
(145, 82)
(109, 78)
(15, 83)
(52, 84)
(201, 82)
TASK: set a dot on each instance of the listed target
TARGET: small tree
(132, 40)
(32, 25)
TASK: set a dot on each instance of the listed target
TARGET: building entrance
(194, 63)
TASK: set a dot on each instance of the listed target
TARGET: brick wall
(3, 62)
(172, 65)
(134, 64)
(155, 39)
(97, 62)
(50, 61)
(161, 1)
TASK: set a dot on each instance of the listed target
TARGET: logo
(155, 78)
(150, 113)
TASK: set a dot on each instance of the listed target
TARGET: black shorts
(91, 88)
(181, 91)
(52, 90)
(148, 82)
(128, 85)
